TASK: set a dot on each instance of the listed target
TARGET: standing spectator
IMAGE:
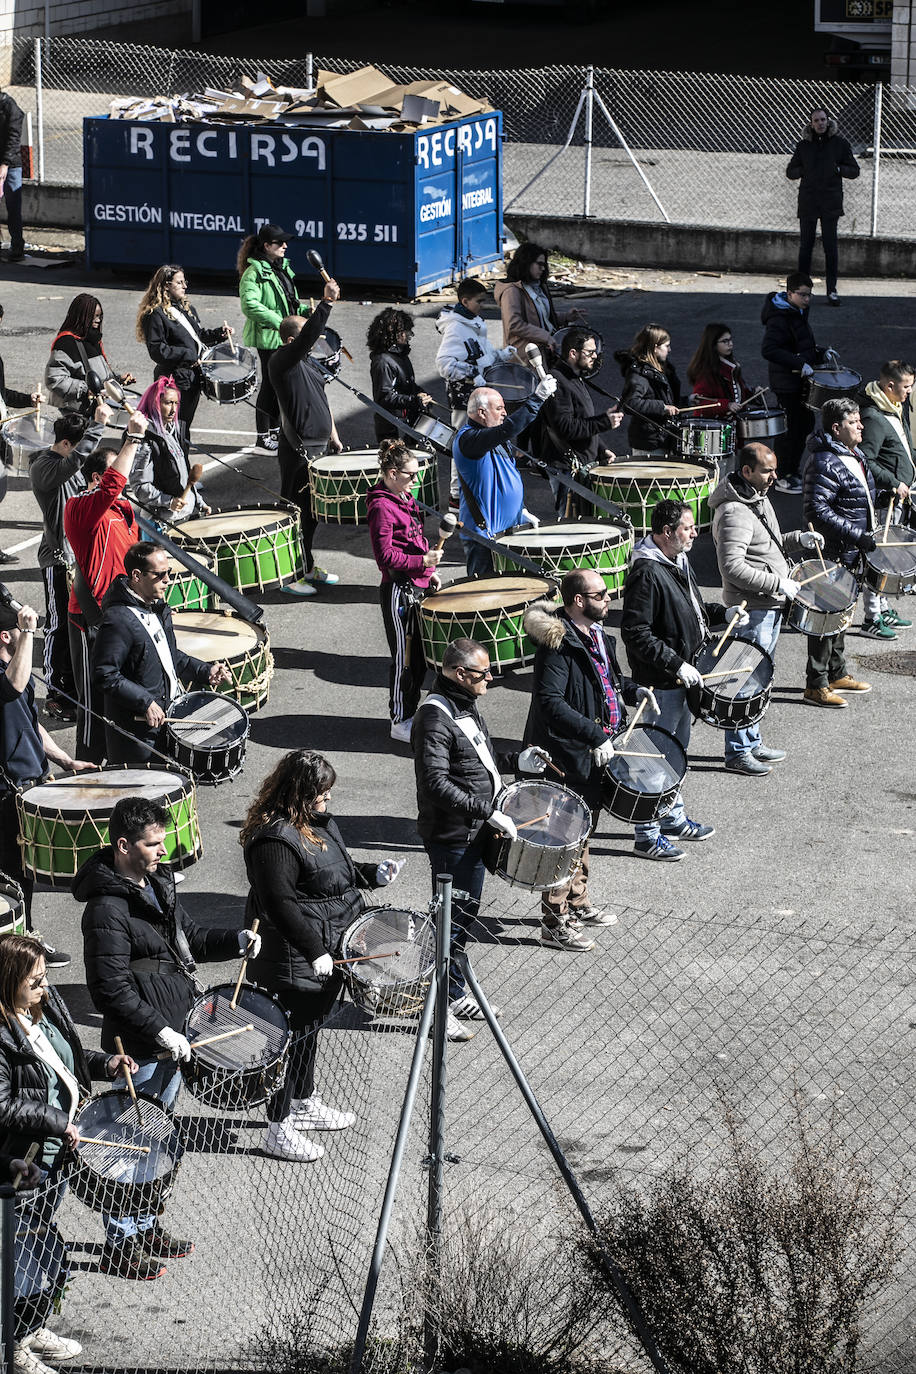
(267, 295)
(820, 162)
(714, 375)
(78, 368)
(175, 339)
(56, 474)
(525, 302)
(11, 118)
(651, 391)
(569, 425)
(791, 352)
(393, 383)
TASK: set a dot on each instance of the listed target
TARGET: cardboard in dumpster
(353, 88)
(416, 109)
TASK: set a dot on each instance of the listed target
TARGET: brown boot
(849, 684)
(822, 696)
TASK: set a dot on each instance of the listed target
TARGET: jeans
(479, 559)
(40, 1258)
(294, 486)
(673, 716)
(12, 194)
(468, 873)
(162, 1079)
(808, 231)
(763, 630)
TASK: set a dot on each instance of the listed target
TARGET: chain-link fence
(628, 1055)
(692, 148)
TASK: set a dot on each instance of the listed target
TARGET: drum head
(836, 590)
(663, 768)
(261, 1023)
(113, 1117)
(222, 722)
(230, 523)
(514, 382)
(843, 379)
(553, 538)
(25, 434)
(100, 791)
(889, 557)
(673, 474)
(400, 945)
(227, 362)
(326, 350)
(206, 635)
(560, 816)
(486, 594)
(747, 667)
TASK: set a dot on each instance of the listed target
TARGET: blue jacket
(836, 502)
(487, 469)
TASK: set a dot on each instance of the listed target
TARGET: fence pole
(436, 1158)
(589, 109)
(7, 1278)
(876, 148)
(309, 71)
(629, 152)
(39, 112)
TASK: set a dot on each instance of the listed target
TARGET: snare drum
(825, 606)
(124, 1182)
(12, 907)
(514, 382)
(64, 822)
(705, 440)
(560, 548)
(207, 734)
(27, 435)
(244, 648)
(186, 591)
(763, 423)
(547, 852)
(638, 486)
(642, 781)
(829, 383)
(890, 568)
(255, 547)
(489, 610)
(439, 434)
(229, 373)
(339, 482)
(736, 689)
(396, 983)
(238, 1070)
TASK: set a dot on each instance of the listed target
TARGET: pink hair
(149, 403)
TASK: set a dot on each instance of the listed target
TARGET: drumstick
(728, 629)
(195, 474)
(211, 1039)
(361, 958)
(887, 523)
(114, 1144)
(753, 396)
(729, 672)
(814, 576)
(896, 544)
(229, 339)
(550, 763)
(713, 405)
(238, 987)
(183, 720)
(27, 1158)
(818, 547)
(632, 754)
(632, 726)
(129, 1079)
(534, 820)
(21, 415)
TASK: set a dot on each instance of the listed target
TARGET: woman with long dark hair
(267, 295)
(44, 1071)
(78, 367)
(175, 339)
(525, 302)
(161, 475)
(305, 889)
(393, 383)
(408, 567)
(714, 375)
(651, 391)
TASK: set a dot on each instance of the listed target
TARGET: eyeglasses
(158, 576)
(588, 352)
(36, 983)
(597, 596)
(478, 674)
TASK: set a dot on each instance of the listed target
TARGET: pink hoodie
(398, 541)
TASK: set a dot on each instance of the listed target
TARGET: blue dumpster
(404, 210)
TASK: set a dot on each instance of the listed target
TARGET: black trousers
(307, 1011)
(826, 660)
(294, 486)
(408, 666)
(187, 409)
(13, 202)
(267, 407)
(790, 446)
(132, 753)
(58, 669)
(90, 729)
(808, 233)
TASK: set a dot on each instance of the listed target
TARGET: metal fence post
(436, 1159)
(7, 1278)
(309, 71)
(876, 148)
(39, 112)
(589, 107)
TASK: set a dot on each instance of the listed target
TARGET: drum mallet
(314, 258)
(533, 354)
(113, 392)
(242, 971)
(739, 611)
(27, 1159)
(447, 527)
(194, 476)
(129, 1080)
(818, 547)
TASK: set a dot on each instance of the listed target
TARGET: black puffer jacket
(394, 387)
(121, 927)
(788, 343)
(835, 501)
(11, 117)
(568, 712)
(660, 627)
(819, 164)
(569, 420)
(25, 1113)
(648, 391)
(454, 790)
(304, 906)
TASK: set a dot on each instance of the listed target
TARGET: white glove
(529, 519)
(178, 1045)
(647, 694)
(249, 943)
(811, 539)
(743, 617)
(388, 870)
(603, 754)
(545, 389)
(533, 761)
(323, 967)
(507, 355)
(788, 588)
(480, 380)
(688, 676)
(832, 356)
(807, 370)
(504, 824)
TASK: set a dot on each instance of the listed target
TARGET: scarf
(541, 303)
(183, 319)
(51, 1060)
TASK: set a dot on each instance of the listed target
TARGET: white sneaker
(311, 1114)
(302, 588)
(26, 1362)
(283, 1141)
(46, 1342)
(454, 1030)
(402, 730)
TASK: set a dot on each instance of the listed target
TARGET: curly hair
(289, 793)
(519, 268)
(383, 332)
(156, 296)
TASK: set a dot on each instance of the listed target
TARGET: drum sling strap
(473, 734)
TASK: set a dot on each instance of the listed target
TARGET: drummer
(790, 349)
(839, 499)
(569, 425)
(267, 294)
(576, 708)
(394, 386)
(160, 477)
(651, 392)
(136, 663)
(665, 623)
(175, 339)
(888, 445)
(78, 368)
(306, 891)
(715, 376)
(139, 948)
(753, 564)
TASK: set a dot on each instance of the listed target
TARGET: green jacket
(263, 303)
(889, 456)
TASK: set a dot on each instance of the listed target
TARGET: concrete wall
(26, 18)
(630, 243)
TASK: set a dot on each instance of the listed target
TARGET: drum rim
(662, 731)
(636, 467)
(285, 519)
(371, 913)
(258, 629)
(239, 350)
(220, 697)
(246, 986)
(520, 783)
(559, 527)
(176, 794)
(322, 462)
(466, 582)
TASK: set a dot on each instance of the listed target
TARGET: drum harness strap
(473, 734)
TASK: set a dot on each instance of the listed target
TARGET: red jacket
(725, 386)
(398, 541)
(100, 527)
